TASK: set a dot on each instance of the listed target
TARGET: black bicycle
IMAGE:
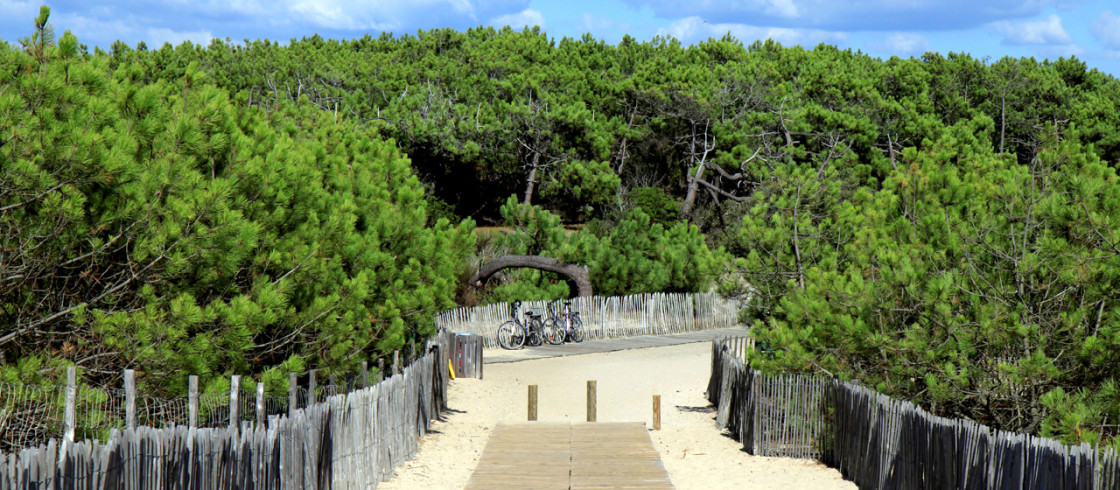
(515, 333)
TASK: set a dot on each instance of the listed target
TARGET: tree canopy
(168, 226)
(941, 228)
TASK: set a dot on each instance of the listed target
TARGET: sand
(694, 452)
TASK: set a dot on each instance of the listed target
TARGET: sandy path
(694, 452)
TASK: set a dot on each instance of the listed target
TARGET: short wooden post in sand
(656, 412)
(591, 401)
(532, 403)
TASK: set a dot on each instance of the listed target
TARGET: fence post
(365, 374)
(260, 403)
(293, 384)
(192, 401)
(396, 362)
(656, 412)
(478, 356)
(130, 399)
(532, 403)
(234, 400)
(380, 369)
(312, 387)
(71, 402)
(334, 385)
(591, 401)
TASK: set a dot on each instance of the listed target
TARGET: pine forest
(944, 229)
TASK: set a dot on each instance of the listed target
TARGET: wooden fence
(882, 443)
(352, 440)
(466, 355)
(608, 317)
(31, 415)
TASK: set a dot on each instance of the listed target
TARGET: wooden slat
(563, 456)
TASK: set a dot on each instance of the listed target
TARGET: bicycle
(554, 330)
(567, 321)
(514, 333)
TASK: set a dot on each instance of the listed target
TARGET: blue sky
(983, 28)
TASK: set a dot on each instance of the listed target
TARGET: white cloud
(1046, 31)
(857, 15)
(157, 36)
(337, 14)
(1107, 30)
(1060, 51)
(96, 31)
(527, 17)
(780, 8)
(100, 23)
(686, 29)
(22, 10)
(904, 44)
(591, 23)
(325, 14)
(376, 15)
(693, 29)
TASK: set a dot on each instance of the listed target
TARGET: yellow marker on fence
(451, 368)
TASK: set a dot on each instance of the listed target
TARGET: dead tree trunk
(576, 275)
(532, 179)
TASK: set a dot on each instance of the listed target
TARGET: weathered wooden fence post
(591, 401)
(478, 356)
(380, 369)
(71, 415)
(293, 388)
(192, 401)
(234, 400)
(656, 412)
(312, 388)
(334, 385)
(130, 399)
(396, 362)
(365, 374)
(260, 403)
(532, 403)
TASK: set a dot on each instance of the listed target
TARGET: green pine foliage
(635, 255)
(969, 283)
(941, 228)
(163, 225)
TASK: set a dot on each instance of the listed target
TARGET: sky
(1044, 29)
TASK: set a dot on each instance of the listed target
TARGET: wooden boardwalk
(570, 456)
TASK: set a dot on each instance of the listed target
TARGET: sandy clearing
(694, 452)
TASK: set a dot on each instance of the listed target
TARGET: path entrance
(570, 456)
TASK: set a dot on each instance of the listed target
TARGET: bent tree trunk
(576, 275)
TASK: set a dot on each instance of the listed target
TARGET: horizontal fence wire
(353, 439)
(159, 412)
(29, 414)
(882, 443)
(608, 316)
(98, 411)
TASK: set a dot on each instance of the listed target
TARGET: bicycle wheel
(511, 336)
(576, 332)
(553, 332)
